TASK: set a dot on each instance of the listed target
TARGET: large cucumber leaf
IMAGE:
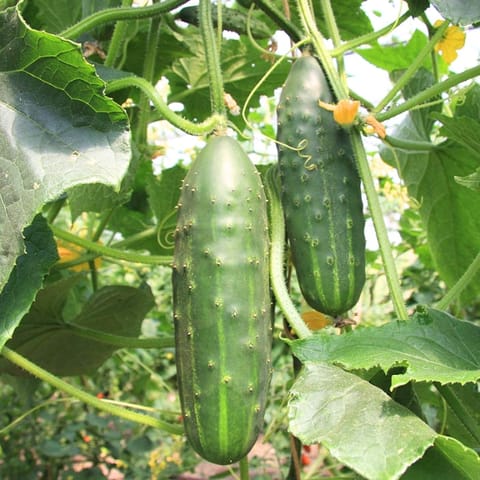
(27, 276)
(359, 423)
(449, 211)
(459, 11)
(57, 129)
(44, 336)
(432, 346)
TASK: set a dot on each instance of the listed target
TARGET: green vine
(203, 128)
(277, 249)
(212, 57)
(110, 15)
(420, 98)
(85, 397)
(109, 251)
(412, 69)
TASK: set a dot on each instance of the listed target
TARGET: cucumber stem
(85, 397)
(310, 26)
(212, 58)
(183, 124)
(118, 38)
(277, 249)
(109, 251)
(244, 468)
(114, 14)
(380, 227)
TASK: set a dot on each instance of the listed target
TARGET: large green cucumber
(221, 298)
(321, 194)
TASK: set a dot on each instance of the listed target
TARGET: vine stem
(118, 37)
(85, 397)
(412, 69)
(148, 73)
(368, 37)
(109, 251)
(380, 227)
(212, 58)
(244, 468)
(310, 26)
(332, 28)
(268, 7)
(114, 14)
(436, 89)
(277, 248)
(460, 285)
(148, 89)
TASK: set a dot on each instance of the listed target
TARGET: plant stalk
(417, 100)
(109, 251)
(412, 69)
(110, 15)
(380, 227)
(277, 249)
(212, 57)
(85, 397)
(183, 124)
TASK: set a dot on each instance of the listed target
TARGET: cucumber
(320, 193)
(222, 311)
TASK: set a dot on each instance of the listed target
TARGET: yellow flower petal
(453, 40)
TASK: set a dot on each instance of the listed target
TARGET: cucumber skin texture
(222, 311)
(321, 194)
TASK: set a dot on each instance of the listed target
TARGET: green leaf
(57, 129)
(163, 194)
(448, 210)
(458, 11)
(463, 130)
(172, 45)
(242, 67)
(471, 181)
(463, 413)
(417, 7)
(448, 459)
(360, 424)
(396, 57)
(432, 346)
(27, 276)
(44, 337)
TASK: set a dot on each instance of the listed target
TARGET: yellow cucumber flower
(452, 40)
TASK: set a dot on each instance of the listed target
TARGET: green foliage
(428, 344)
(448, 210)
(44, 335)
(458, 12)
(27, 276)
(71, 133)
